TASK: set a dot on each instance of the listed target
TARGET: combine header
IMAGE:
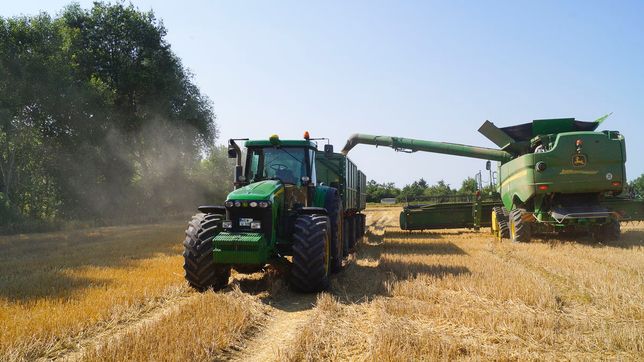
(555, 175)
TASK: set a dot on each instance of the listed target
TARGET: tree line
(99, 120)
(419, 189)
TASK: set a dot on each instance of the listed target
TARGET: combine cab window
(287, 164)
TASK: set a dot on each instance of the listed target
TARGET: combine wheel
(500, 228)
(311, 253)
(608, 232)
(520, 230)
(201, 272)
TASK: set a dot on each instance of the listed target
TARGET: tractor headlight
(229, 204)
(263, 204)
(237, 204)
(541, 166)
(256, 225)
(253, 204)
(227, 224)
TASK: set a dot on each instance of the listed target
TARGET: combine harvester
(556, 175)
(292, 204)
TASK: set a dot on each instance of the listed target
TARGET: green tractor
(280, 211)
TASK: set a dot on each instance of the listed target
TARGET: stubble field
(117, 294)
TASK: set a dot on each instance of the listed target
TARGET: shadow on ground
(433, 248)
(366, 275)
(37, 266)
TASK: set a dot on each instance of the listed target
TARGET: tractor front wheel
(201, 272)
(311, 253)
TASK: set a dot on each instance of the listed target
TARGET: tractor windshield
(287, 164)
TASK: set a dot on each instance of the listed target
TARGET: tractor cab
(291, 162)
(287, 164)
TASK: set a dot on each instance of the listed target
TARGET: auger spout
(413, 145)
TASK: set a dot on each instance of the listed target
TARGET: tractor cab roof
(276, 142)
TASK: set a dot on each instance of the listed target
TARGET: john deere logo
(579, 160)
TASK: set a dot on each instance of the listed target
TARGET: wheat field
(118, 294)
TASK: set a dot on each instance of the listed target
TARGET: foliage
(377, 192)
(420, 189)
(99, 119)
(637, 186)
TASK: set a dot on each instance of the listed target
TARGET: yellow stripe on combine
(514, 177)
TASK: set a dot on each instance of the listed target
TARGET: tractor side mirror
(488, 165)
(328, 150)
(232, 153)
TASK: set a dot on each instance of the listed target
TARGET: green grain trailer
(555, 175)
(338, 171)
(282, 210)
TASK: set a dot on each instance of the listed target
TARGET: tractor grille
(257, 214)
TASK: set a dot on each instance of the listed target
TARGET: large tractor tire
(201, 272)
(311, 253)
(500, 227)
(520, 230)
(333, 206)
(611, 231)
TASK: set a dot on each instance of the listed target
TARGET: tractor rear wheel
(520, 230)
(311, 253)
(201, 272)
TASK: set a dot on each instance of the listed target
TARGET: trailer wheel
(520, 231)
(334, 208)
(311, 253)
(363, 224)
(201, 272)
(346, 235)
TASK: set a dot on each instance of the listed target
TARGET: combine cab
(281, 210)
(555, 175)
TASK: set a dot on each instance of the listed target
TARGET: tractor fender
(311, 210)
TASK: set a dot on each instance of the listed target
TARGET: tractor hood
(261, 190)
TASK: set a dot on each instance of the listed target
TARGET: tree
(637, 185)
(98, 118)
(469, 186)
(376, 192)
(440, 189)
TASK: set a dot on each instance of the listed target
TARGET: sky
(433, 70)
